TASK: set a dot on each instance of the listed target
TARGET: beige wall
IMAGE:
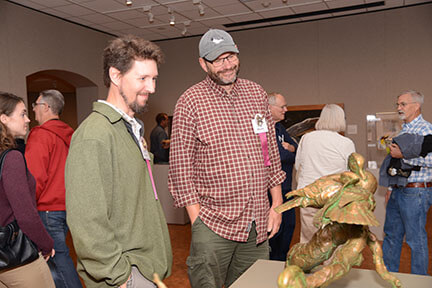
(363, 61)
(31, 42)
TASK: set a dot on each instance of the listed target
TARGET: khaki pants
(215, 261)
(307, 229)
(35, 275)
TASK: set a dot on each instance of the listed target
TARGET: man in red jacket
(46, 151)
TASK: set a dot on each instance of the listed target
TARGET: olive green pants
(215, 261)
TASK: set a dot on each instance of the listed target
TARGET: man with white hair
(407, 206)
(280, 243)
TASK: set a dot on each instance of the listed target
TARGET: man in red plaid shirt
(223, 160)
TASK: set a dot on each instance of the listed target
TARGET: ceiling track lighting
(128, 2)
(172, 20)
(285, 1)
(201, 10)
(172, 17)
(184, 31)
(200, 7)
(150, 15)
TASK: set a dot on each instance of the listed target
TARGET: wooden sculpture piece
(346, 205)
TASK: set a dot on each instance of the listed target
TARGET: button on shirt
(421, 127)
(216, 158)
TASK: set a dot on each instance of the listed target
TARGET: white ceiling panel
(124, 15)
(104, 6)
(310, 8)
(231, 9)
(31, 4)
(117, 25)
(267, 4)
(51, 3)
(245, 17)
(55, 13)
(343, 3)
(276, 12)
(74, 10)
(97, 18)
(115, 17)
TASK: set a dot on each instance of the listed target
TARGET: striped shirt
(216, 158)
(421, 127)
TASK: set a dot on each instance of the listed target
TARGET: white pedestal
(264, 273)
(173, 215)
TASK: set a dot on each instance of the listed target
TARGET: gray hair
(332, 118)
(272, 97)
(54, 99)
(416, 96)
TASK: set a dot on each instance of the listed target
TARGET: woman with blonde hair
(321, 152)
(18, 199)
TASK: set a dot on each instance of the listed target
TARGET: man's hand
(275, 219)
(395, 151)
(289, 147)
(193, 212)
(47, 257)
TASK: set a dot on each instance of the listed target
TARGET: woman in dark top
(18, 200)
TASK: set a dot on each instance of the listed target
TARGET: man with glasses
(407, 206)
(280, 243)
(223, 159)
(46, 151)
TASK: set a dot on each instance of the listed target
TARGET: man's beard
(218, 80)
(402, 116)
(134, 106)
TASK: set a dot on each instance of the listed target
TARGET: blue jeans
(55, 224)
(406, 214)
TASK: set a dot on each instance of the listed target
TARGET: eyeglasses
(232, 58)
(403, 104)
(282, 107)
(35, 104)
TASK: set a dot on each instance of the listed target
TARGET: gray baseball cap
(214, 43)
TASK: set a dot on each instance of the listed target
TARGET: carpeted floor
(181, 236)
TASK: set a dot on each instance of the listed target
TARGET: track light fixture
(150, 17)
(184, 31)
(128, 2)
(201, 10)
(200, 7)
(172, 17)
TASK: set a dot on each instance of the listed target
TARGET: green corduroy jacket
(112, 213)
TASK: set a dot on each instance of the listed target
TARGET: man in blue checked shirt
(407, 206)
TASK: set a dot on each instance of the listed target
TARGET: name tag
(259, 124)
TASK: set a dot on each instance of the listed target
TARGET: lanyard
(151, 178)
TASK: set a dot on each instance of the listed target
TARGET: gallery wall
(363, 61)
(31, 42)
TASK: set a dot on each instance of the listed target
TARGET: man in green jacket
(117, 223)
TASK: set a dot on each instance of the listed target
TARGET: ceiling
(150, 18)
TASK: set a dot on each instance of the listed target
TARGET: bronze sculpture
(347, 204)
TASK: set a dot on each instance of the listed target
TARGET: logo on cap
(217, 40)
